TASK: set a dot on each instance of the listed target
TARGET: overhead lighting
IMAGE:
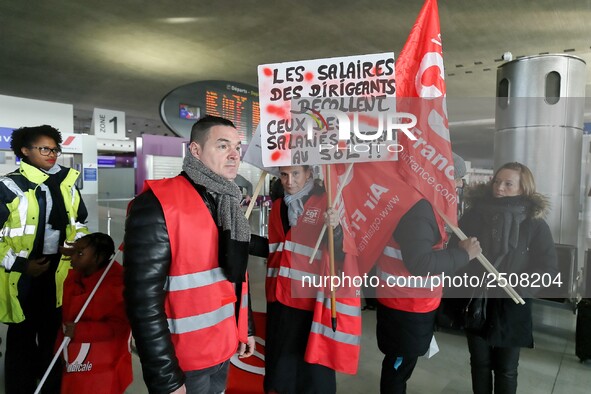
(177, 21)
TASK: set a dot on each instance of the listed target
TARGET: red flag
(426, 163)
(377, 194)
(373, 200)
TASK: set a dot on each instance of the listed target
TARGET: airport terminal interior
(124, 81)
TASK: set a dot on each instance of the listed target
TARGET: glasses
(45, 151)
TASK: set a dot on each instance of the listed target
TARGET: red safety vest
(200, 301)
(338, 350)
(288, 263)
(288, 267)
(398, 288)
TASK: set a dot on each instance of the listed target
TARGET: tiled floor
(551, 367)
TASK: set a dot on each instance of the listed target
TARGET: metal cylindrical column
(539, 122)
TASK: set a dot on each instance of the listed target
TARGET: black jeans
(210, 380)
(484, 359)
(30, 344)
(396, 370)
(286, 371)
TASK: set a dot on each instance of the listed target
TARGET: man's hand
(331, 218)
(69, 328)
(180, 390)
(471, 246)
(36, 267)
(246, 349)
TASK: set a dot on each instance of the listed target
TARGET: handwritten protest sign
(253, 154)
(335, 110)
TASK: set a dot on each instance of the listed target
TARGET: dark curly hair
(103, 247)
(25, 137)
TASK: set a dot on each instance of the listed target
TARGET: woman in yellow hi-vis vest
(40, 209)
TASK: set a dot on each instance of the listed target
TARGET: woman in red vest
(97, 359)
(294, 226)
(407, 298)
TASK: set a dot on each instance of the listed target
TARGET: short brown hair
(526, 178)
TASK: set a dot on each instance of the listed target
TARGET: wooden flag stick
(484, 261)
(256, 191)
(333, 302)
(337, 197)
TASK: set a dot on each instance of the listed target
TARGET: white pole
(255, 195)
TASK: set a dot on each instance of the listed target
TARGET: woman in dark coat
(506, 216)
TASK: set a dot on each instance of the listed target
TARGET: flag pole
(66, 340)
(333, 302)
(337, 197)
(484, 261)
(257, 189)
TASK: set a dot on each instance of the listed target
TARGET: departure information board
(240, 108)
(234, 101)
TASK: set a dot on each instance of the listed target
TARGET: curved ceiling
(126, 55)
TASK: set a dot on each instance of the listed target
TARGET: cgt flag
(377, 194)
(426, 163)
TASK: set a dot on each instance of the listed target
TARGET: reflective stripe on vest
(197, 279)
(296, 274)
(393, 252)
(338, 336)
(400, 289)
(290, 272)
(342, 309)
(201, 321)
(407, 281)
(272, 272)
(23, 207)
(345, 309)
(18, 232)
(410, 282)
(276, 247)
(301, 249)
(294, 247)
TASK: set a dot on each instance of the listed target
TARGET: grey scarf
(234, 235)
(295, 205)
(227, 195)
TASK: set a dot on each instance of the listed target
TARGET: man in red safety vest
(186, 251)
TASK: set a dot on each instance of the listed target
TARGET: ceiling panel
(126, 55)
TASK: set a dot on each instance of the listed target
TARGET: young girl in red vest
(97, 359)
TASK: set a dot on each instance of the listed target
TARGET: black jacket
(510, 324)
(147, 259)
(404, 333)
